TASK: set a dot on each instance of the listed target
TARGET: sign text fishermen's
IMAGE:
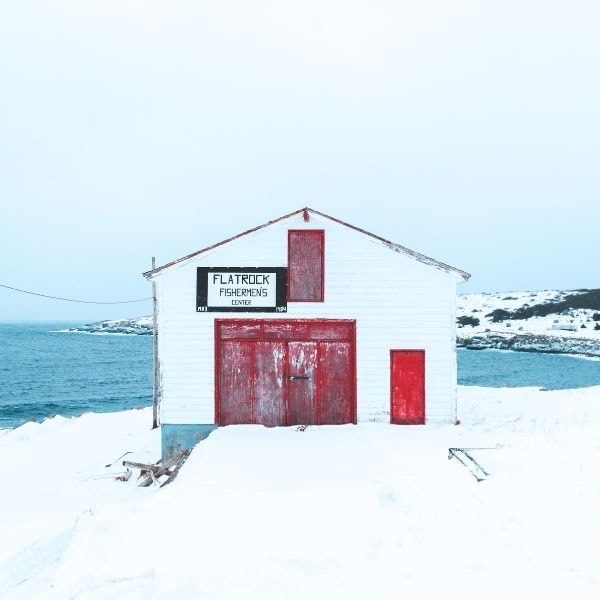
(241, 289)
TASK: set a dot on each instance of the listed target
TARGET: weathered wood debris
(124, 476)
(467, 461)
(160, 472)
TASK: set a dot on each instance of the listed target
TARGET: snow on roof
(391, 245)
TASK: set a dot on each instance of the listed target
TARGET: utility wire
(8, 287)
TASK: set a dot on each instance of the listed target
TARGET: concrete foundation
(175, 438)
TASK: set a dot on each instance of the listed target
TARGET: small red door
(407, 387)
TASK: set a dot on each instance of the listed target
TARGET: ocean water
(504, 368)
(45, 372)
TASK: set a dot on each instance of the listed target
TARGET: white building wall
(397, 302)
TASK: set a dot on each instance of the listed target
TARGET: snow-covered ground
(481, 305)
(367, 511)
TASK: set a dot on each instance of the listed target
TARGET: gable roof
(391, 245)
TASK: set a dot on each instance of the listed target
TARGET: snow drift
(367, 511)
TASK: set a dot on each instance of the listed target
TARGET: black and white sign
(241, 289)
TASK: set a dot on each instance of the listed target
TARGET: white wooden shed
(303, 320)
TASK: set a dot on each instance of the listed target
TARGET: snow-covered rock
(564, 322)
(138, 326)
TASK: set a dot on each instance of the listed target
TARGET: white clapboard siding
(397, 301)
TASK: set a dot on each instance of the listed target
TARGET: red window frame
(321, 297)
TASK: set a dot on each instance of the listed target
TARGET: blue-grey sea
(44, 371)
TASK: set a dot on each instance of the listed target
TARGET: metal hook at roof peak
(306, 215)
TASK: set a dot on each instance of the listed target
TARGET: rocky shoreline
(529, 342)
(140, 326)
(477, 340)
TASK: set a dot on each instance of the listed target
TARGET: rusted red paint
(231, 330)
(268, 389)
(393, 246)
(335, 362)
(285, 372)
(302, 393)
(306, 265)
(407, 382)
(285, 329)
(235, 384)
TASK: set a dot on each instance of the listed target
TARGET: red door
(336, 360)
(285, 372)
(407, 387)
(301, 383)
(235, 383)
(267, 383)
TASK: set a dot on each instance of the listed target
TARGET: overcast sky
(466, 130)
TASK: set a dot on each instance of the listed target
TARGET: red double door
(285, 372)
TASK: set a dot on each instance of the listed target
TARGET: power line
(8, 287)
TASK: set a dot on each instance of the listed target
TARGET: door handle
(295, 377)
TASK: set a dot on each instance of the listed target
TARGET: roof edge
(151, 272)
(393, 246)
(399, 248)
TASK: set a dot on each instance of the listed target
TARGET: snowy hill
(565, 322)
(544, 321)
